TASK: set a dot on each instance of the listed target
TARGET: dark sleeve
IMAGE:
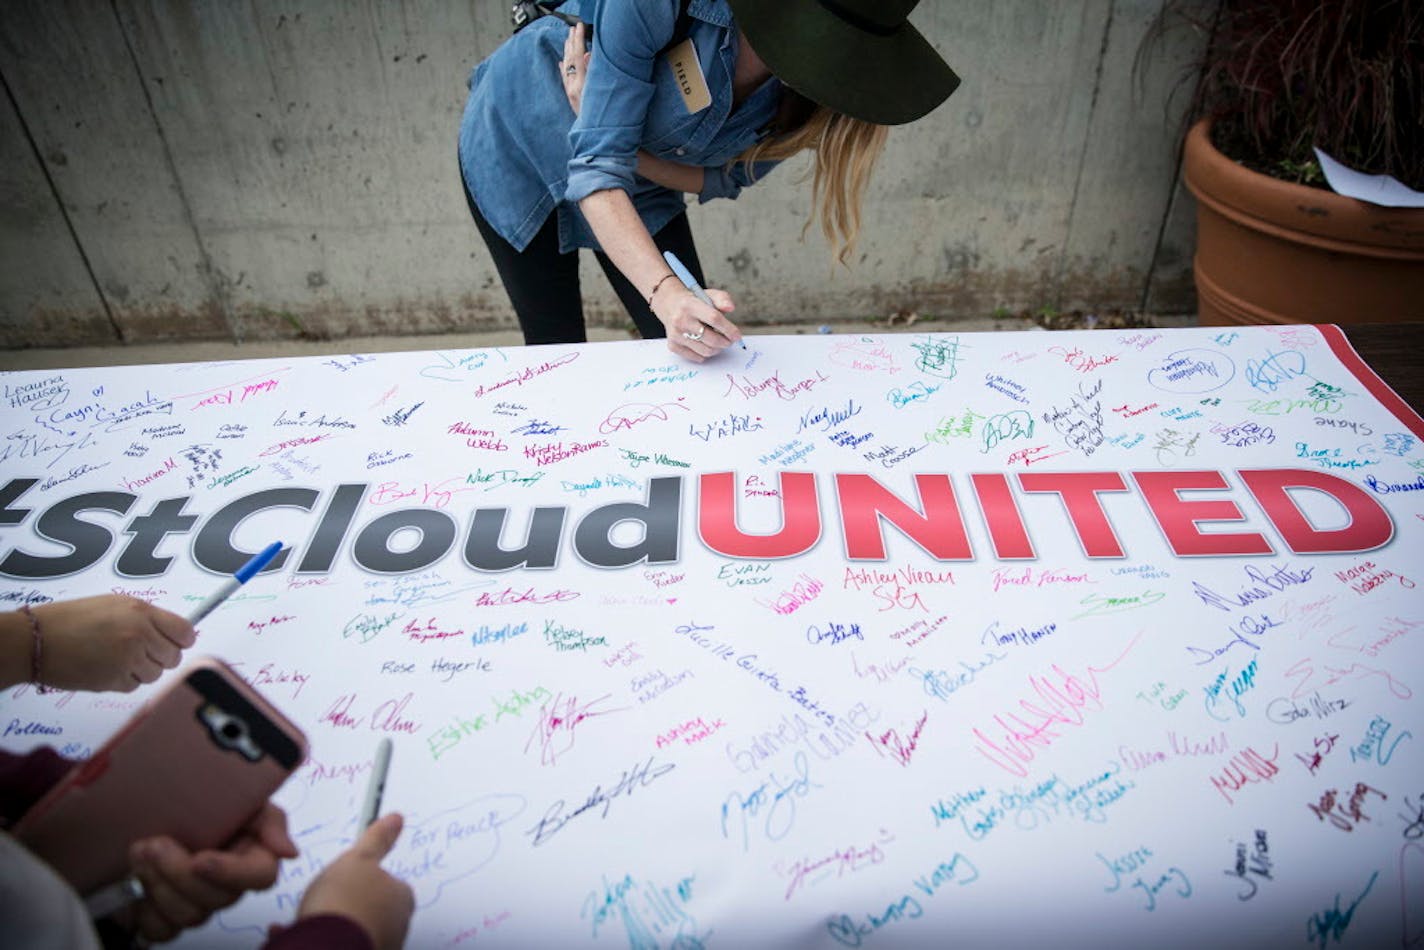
(25, 778)
(321, 932)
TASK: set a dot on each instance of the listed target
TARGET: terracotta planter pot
(1269, 251)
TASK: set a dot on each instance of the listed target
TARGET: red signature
(898, 748)
(558, 718)
(1030, 456)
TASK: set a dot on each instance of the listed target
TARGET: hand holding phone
(195, 765)
(182, 889)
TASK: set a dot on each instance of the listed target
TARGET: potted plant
(1277, 78)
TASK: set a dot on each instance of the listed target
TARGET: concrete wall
(244, 169)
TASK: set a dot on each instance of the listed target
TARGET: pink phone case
(164, 773)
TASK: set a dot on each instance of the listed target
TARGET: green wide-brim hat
(861, 58)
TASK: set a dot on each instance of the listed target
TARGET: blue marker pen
(690, 282)
(230, 586)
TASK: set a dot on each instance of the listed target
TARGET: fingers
(145, 669)
(251, 864)
(377, 840)
(175, 897)
(721, 300)
(705, 344)
(723, 328)
(136, 633)
(685, 351)
(697, 331)
(149, 651)
(574, 53)
(160, 650)
(174, 628)
(166, 637)
(269, 828)
(724, 304)
(710, 330)
(239, 869)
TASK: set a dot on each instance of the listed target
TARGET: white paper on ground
(1383, 190)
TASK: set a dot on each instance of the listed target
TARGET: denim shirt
(523, 154)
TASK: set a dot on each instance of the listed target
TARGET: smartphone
(195, 763)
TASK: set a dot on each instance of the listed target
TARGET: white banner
(906, 640)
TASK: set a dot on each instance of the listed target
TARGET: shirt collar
(716, 12)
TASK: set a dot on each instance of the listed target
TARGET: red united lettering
(1370, 525)
(939, 530)
(1002, 517)
(1179, 518)
(1079, 491)
(800, 518)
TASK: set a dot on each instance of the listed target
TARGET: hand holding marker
(690, 282)
(355, 885)
(124, 892)
(230, 586)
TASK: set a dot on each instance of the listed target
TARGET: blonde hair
(846, 150)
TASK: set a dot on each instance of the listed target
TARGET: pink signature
(1059, 700)
(1308, 677)
(841, 862)
(236, 392)
(865, 356)
(1080, 360)
(630, 414)
(558, 719)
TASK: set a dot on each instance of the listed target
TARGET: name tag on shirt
(687, 70)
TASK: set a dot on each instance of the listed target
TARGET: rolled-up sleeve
(605, 137)
(723, 182)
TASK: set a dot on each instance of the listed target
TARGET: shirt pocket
(668, 126)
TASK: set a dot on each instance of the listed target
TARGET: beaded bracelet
(36, 650)
(657, 285)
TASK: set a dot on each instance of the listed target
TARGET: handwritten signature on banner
(640, 776)
(1060, 699)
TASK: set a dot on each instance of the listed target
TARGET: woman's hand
(108, 642)
(355, 886)
(573, 68)
(182, 889)
(695, 331)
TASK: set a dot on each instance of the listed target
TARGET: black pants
(543, 284)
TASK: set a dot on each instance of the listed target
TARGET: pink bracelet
(37, 649)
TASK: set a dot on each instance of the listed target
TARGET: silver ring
(570, 69)
(694, 337)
